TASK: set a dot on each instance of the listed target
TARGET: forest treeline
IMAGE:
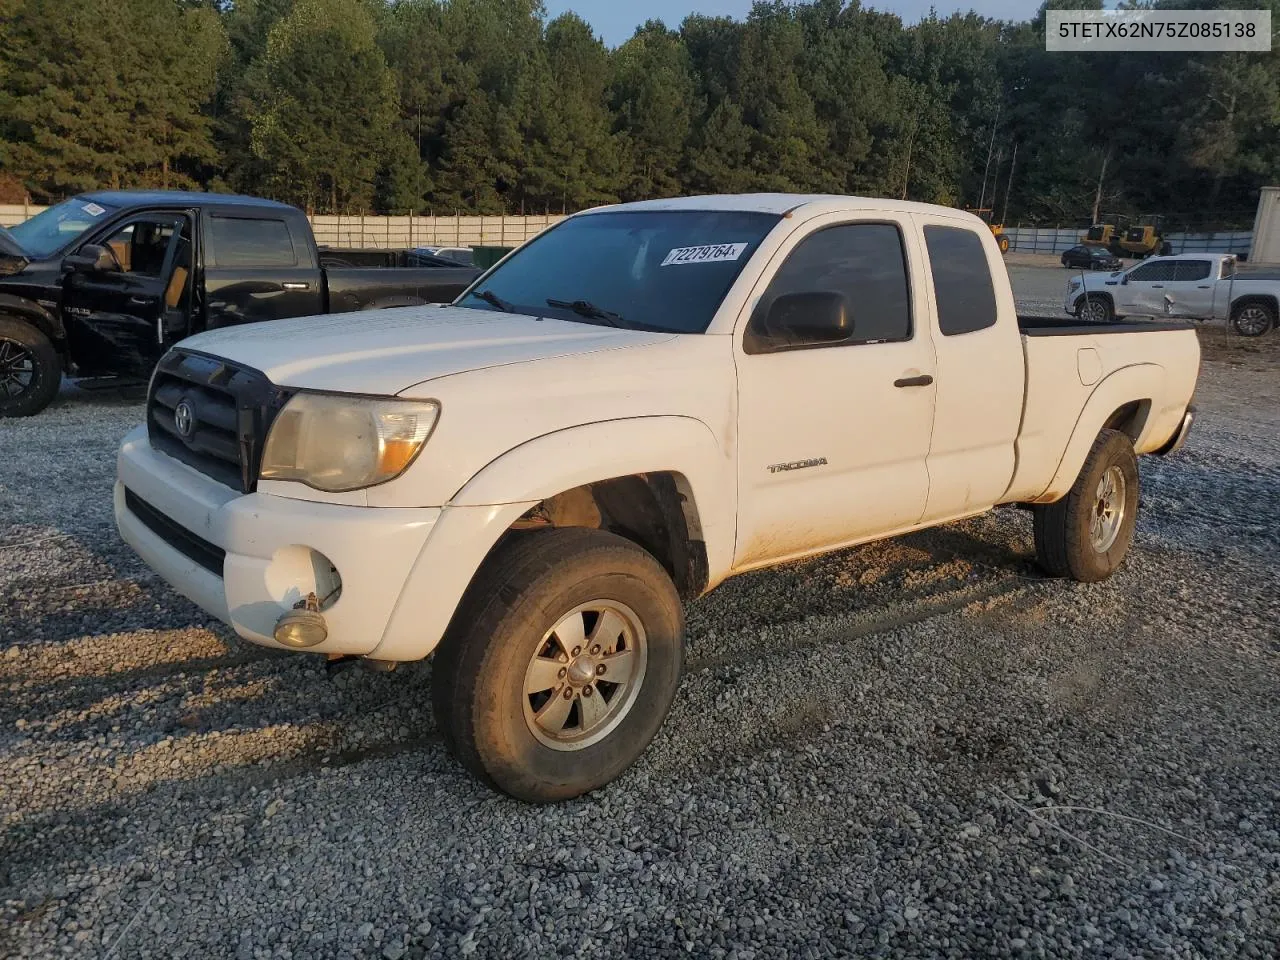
(490, 106)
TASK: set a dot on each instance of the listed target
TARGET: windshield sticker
(93, 210)
(710, 253)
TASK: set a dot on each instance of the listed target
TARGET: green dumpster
(486, 257)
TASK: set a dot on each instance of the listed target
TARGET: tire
(508, 636)
(1073, 538)
(1252, 319)
(1095, 309)
(1003, 244)
(30, 370)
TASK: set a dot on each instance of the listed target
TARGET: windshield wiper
(488, 296)
(585, 308)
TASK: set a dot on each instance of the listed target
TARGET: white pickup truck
(639, 403)
(1204, 286)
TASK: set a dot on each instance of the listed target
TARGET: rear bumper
(1180, 435)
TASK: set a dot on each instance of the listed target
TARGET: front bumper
(272, 549)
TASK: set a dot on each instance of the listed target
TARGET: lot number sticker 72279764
(709, 253)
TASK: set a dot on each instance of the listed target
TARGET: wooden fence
(469, 231)
(395, 232)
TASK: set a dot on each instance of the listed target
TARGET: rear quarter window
(251, 242)
(961, 280)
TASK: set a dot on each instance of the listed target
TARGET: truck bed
(1070, 365)
(361, 288)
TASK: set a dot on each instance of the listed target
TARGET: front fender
(1143, 381)
(560, 461)
(40, 317)
(480, 512)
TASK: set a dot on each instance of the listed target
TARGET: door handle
(142, 301)
(921, 381)
(1203, 286)
(1157, 286)
(295, 285)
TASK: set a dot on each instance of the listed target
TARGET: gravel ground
(917, 748)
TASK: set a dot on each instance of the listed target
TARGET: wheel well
(1130, 418)
(656, 511)
(1258, 298)
(1092, 295)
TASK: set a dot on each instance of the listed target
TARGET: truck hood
(9, 245)
(385, 352)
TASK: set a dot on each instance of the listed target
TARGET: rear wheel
(1252, 319)
(561, 663)
(29, 369)
(1003, 243)
(1087, 534)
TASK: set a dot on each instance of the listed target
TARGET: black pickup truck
(104, 283)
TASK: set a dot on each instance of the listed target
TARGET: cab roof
(148, 198)
(781, 204)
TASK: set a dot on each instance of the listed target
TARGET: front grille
(201, 551)
(212, 415)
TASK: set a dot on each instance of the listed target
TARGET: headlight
(338, 443)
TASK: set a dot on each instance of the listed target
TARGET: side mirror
(805, 319)
(91, 258)
(1124, 279)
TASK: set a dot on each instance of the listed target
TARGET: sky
(616, 20)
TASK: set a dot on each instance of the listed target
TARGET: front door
(124, 318)
(833, 440)
(1143, 292)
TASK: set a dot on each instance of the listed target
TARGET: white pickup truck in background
(1203, 286)
(643, 401)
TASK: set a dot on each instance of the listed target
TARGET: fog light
(303, 626)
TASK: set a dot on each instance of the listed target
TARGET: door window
(1160, 271)
(863, 261)
(961, 280)
(141, 245)
(1190, 270)
(249, 242)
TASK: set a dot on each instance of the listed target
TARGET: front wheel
(1003, 244)
(1095, 310)
(560, 664)
(1252, 319)
(29, 369)
(1087, 534)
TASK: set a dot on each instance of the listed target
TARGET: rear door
(832, 439)
(258, 267)
(980, 368)
(1191, 293)
(117, 318)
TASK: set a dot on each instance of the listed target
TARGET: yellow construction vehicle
(1107, 233)
(1145, 238)
(997, 229)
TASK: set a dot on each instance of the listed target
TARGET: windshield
(48, 232)
(646, 270)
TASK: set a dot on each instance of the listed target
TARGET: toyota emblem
(184, 418)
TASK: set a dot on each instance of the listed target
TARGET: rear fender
(1148, 429)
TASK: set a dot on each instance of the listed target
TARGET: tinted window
(863, 261)
(655, 270)
(961, 280)
(1191, 270)
(1158, 271)
(241, 242)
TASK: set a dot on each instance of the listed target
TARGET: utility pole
(982, 200)
(1008, 187)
